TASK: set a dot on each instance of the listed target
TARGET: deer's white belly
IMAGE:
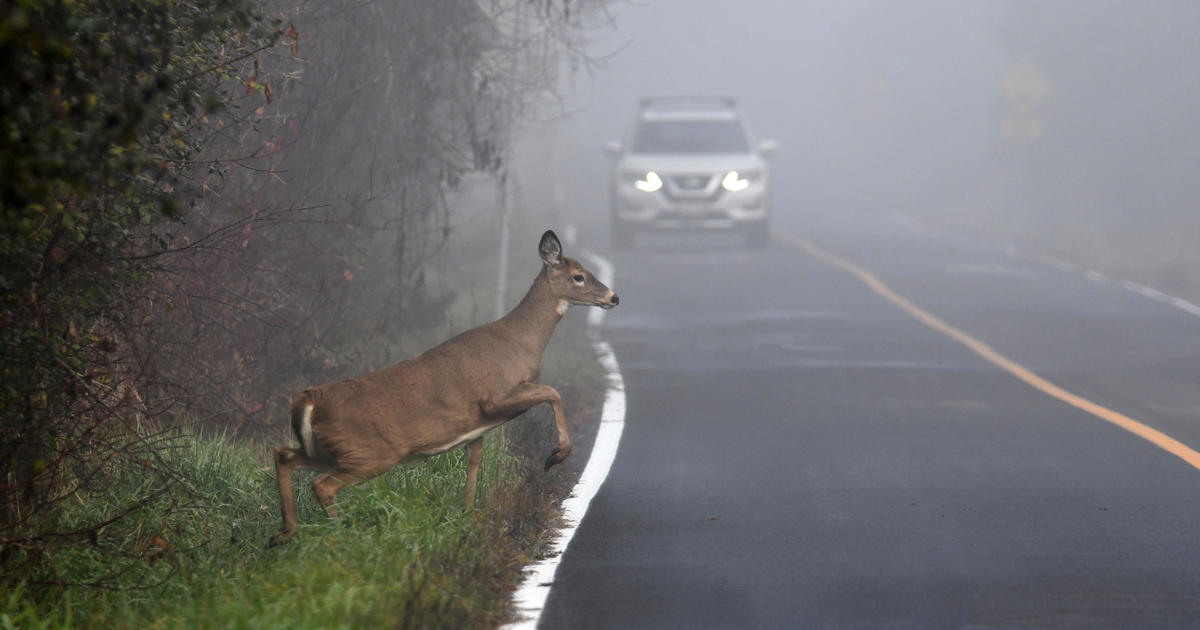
(456, 442)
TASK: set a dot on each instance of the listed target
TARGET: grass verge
(404, 554)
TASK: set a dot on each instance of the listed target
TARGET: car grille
(692, 186)
(691, 182)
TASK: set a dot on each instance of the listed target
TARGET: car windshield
(693, 136)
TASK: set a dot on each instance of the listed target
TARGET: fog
(1068, 125)
(842, 85)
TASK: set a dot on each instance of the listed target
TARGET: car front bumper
(657, 211)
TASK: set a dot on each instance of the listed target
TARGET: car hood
(691, 163)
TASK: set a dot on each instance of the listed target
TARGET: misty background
(1068, 128)
(208, 206)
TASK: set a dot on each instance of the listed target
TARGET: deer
(449, 396)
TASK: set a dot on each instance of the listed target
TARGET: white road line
(1159, 296)
(1061, 265)
(1096, 276)
(530, 598)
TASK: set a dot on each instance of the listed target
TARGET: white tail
(449, 396)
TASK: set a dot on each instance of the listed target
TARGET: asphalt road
(801, 453)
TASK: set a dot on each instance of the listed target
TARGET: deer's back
(415, 406)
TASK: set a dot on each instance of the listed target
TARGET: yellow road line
(1154, 436)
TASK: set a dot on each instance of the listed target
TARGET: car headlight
(734, 181)
(651, 183)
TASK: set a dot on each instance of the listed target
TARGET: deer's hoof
(556, 457)
(280, 537)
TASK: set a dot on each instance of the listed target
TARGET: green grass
(404, 553)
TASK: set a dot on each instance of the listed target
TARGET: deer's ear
(550, 249)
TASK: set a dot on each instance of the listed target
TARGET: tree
(205, 209)
(97, 96)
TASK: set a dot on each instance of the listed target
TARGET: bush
(202, 211)
(96, 98)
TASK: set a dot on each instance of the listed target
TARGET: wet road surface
(800, 453)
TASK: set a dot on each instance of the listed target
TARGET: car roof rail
(689, 102)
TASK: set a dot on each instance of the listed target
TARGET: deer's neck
(534, 319)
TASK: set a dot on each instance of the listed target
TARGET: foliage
(96, 96)
(318, 212)
(404, 553)
(403, 542)
(204, 209)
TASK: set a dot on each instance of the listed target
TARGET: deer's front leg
(528, 395)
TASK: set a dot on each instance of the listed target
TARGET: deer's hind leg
(286, 461)
(348, 472)
(474, 457)
(327, 486)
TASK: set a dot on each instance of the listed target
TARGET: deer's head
(571, 281)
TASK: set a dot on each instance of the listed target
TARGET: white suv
(690, 163)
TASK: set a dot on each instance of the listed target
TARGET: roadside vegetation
(207, 206)
(403, 554)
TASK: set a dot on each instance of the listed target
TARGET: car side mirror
(612, 148)
(767, 147)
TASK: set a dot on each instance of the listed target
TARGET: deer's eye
(578, 278)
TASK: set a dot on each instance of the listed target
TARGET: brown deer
(451, 395)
